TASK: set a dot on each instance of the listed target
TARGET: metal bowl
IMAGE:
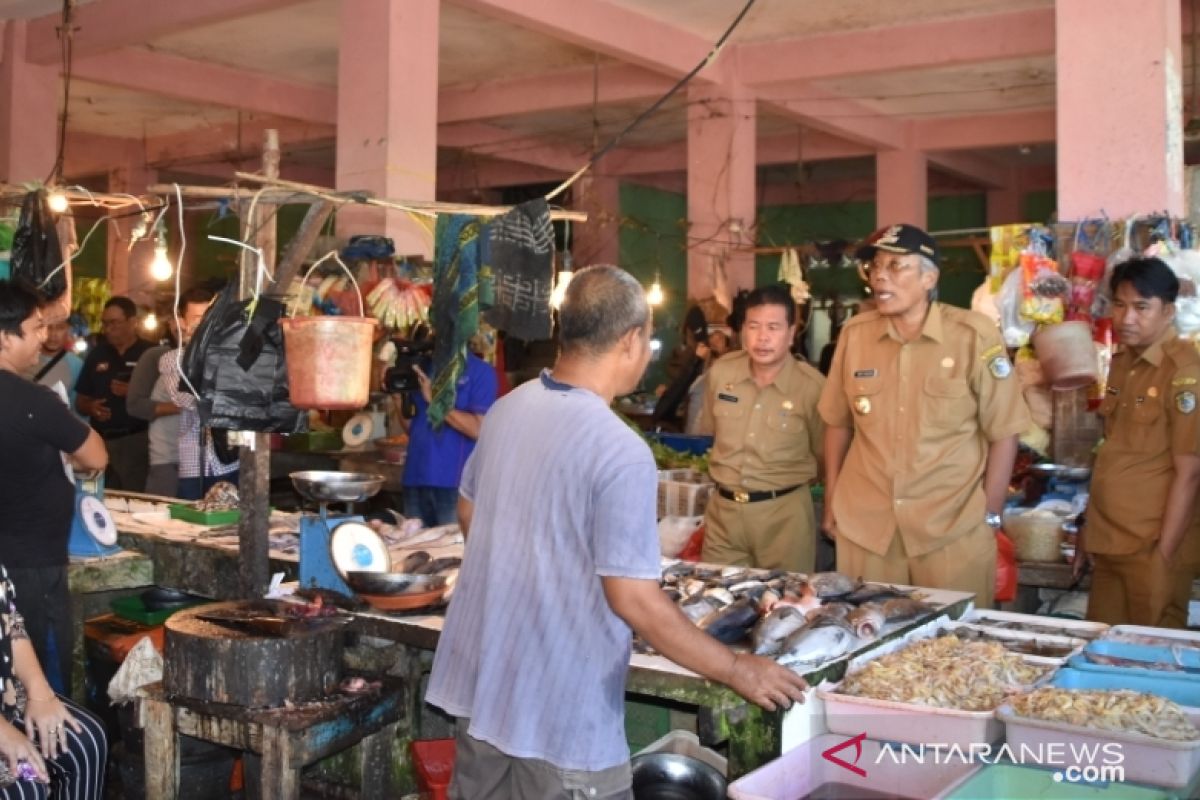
(336, 487)
(1061, 472)
(393, 583)
(664, 776)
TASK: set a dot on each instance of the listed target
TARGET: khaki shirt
(1150, 416)
(923, 414)
(766, 438)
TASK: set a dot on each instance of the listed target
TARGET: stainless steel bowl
(392, 583)
(666, 776)
(1061, 472)
(336, 487)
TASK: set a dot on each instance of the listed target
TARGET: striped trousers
(78, 773)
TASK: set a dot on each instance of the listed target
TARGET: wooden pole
(254, 570)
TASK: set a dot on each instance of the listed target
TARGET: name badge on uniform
(1185, 402)
(862, 404)
(866, 373)
(728, 398)
(1000, 367)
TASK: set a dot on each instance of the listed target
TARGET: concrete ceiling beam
(208, 83)
(924, 45)
(978, 131)
(559, 91)
(838, 116)
(489, 140)
(610, 30)
(110, 25)
(976, 168)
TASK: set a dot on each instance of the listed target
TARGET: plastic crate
(685, 443)
(134, 608)
(433, 763)
(645, 723)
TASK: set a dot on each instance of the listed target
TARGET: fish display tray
(1177, 690)
(1187, 638)
(800, 770)
(134, 608)
(908, 723)
(1188, 657)
(1075, 645)
(1013, 780)
(1077, 628)
(188, 513)
(1146, 759)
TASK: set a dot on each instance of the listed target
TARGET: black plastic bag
(36, 252)
(238, 368)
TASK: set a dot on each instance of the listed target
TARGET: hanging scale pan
(355, 547)
(97, 521)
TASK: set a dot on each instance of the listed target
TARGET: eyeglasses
(110, 322)
(888, 264)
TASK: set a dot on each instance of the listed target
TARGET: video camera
(409, 353)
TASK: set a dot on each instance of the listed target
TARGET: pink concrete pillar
(28, 110)
(1120, 108)
(901, 187)
(129, 266)
(387, 114)
(721, 176)
(597, 241)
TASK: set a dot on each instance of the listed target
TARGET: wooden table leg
(161, 751)
(378, 773)
(280, 779)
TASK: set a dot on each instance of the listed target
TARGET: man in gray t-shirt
(562, 561)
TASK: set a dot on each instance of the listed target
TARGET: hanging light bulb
(57, 202)
(161, 268)
(654, 296)
(560, 288)
(150, 323)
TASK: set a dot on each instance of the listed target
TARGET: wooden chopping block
(216, 663)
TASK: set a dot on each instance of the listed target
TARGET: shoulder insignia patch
(994, 350)
(1184, 382)
(1185, 402)
(1000, 367)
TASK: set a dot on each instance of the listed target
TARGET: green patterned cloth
(459, 243)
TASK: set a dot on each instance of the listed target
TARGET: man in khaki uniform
(1141, 527)
(922, 413)
(761, 406)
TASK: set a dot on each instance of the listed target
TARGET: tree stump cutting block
(255, 657)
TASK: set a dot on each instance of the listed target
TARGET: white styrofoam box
(1135, 633)
(1146, 759)
(1078, 628)
(802, 769)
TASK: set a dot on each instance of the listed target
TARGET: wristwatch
(993, 520)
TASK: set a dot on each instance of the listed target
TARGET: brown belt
(741, 496)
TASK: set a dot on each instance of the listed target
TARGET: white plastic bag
(674, 533)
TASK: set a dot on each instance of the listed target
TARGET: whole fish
(805, 602)
(692, 586)
(767, 603)
(876, 592)
(867, 620)
(753, 589)
(438, 565)
(720, 594)
(697, 608)
(834, 610)
(674, 573)
(815, 644)
(414, 561)
(731, 624)
(832, 584)
(771, 631)
(901, 608)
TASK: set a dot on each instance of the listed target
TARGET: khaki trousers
(481, 772)
(770, 534)
(964, 564)
(1141, 589)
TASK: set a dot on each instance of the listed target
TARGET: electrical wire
(66, 35)
(708, 59)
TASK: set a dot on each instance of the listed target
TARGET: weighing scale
(332, 545)
(93, 532)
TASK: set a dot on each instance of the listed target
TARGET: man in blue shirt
(434, 464)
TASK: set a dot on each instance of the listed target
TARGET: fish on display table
(867, 621)
(817, 644)
(771, 631)
(731, 624)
